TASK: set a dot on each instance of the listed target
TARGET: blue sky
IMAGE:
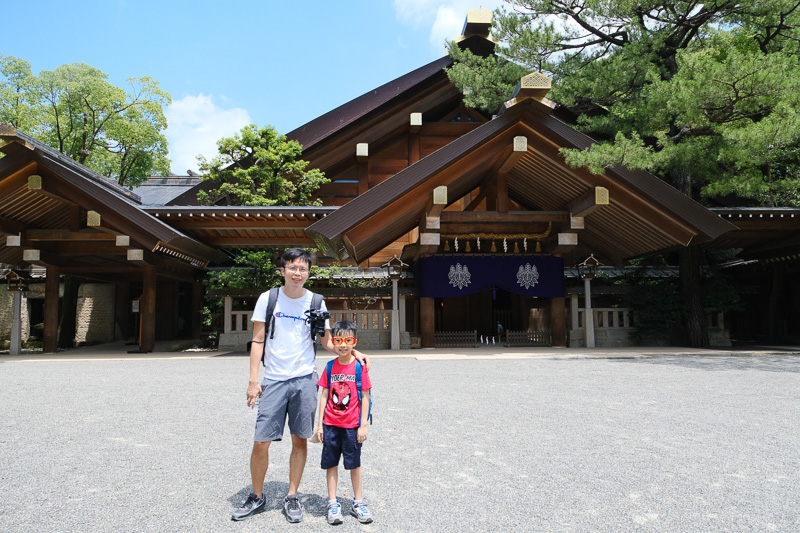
(227, 64)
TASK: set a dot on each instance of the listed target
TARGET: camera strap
(316, 304)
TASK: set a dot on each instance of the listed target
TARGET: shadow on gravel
(275, 491)
(763, 363)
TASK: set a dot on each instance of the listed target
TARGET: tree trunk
(691, 290)
(69, 310)
(775, 297)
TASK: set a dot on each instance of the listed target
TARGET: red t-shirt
(343, 409)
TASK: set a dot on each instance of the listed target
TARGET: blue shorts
(340, 442)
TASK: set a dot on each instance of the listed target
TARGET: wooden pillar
(427, 322)
(147, 310)
(52, 282)
(558, 320)
(197, 308)
(122, 309)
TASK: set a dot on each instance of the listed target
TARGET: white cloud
(446, 17)
(195, 126)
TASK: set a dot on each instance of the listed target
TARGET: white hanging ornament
(479, 243)
(455, 243)
(525, 243)
(505, 245)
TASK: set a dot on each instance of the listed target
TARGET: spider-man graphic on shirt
(340, 395)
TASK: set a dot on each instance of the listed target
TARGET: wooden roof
(763, 233)
(644, 214)
(63, 214)
(235, 227)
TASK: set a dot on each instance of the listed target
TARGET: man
(289, 385)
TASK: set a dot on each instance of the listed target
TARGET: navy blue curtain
(459, 275)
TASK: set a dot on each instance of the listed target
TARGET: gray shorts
(295, 398)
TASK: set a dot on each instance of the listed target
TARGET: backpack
(316, 303)
(329, 369)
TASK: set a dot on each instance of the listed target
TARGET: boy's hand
(253, 393)
(362, 434)
(320, 434)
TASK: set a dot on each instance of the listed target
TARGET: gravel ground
(666, 443)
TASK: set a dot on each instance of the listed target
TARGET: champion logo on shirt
(284, 315)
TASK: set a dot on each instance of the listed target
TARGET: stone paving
(478, 440)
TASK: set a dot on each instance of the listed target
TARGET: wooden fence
(529, 338)
(456, 339)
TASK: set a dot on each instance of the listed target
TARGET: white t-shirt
(290, 353)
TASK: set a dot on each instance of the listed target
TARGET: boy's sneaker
(292, 509)
(361, 512)
(334, 514)
(252, 505)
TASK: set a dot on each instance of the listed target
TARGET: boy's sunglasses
(347, 340)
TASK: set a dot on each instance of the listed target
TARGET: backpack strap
(272, 300)
(328, 370)
(358, 387)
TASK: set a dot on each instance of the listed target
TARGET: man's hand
(363, 359)
(253, 393)
(361, 436)
(320, 435)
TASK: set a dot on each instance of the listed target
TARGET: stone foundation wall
(95, 310)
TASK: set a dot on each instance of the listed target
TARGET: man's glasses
(301, 270)
(337, 341)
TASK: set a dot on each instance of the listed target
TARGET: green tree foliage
(703, 94)
(117, 132)
(259, 166)
(253, 270)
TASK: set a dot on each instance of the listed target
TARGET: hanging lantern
(446, 246)
(494, 248)
(516, 247)
(538, 246)
(467, 248)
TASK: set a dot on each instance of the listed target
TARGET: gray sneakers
(334, 513)
(252, 505)
(292, 509)
(361, 512)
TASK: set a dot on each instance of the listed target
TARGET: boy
(342, 425)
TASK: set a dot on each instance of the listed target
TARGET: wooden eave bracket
(586, 203)
(565, 242)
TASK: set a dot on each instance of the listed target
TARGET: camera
(316, 319)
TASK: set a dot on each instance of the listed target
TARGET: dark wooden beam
(11, 227)
(586, 203)
(456, 228)
(50, 333)
(36, 235)
(516, 217)
(36, 183)
(210, 224)
(362, 155)
(259, 241)
(14, 173)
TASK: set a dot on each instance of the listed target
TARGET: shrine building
(483, 215)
